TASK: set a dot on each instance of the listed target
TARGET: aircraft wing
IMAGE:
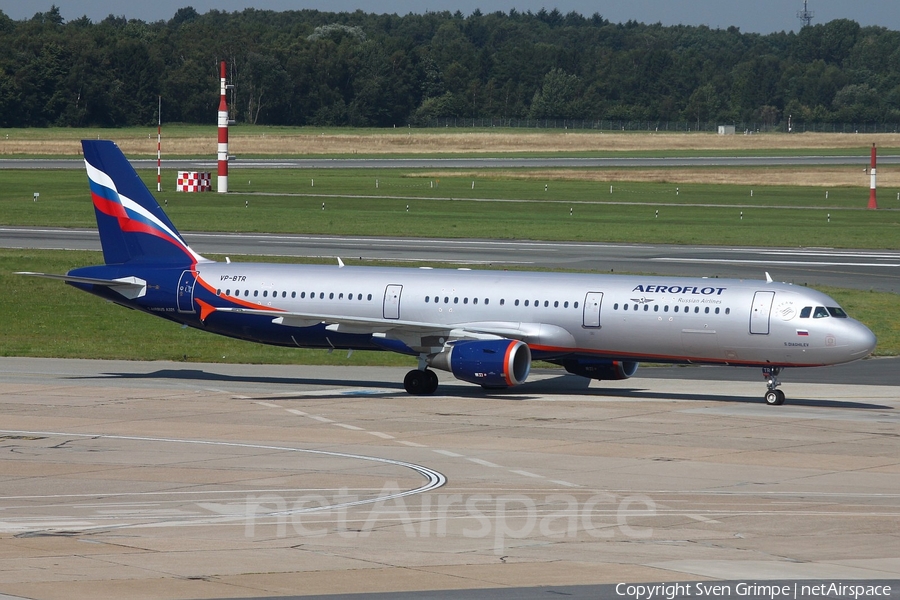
(130, 287)
(418, 333)
(342, 323)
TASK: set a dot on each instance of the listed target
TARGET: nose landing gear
(774, 396)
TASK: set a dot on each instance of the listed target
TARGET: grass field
(499, 206)
(47, 318)
(247, 141)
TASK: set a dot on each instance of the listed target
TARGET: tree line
(310, 67)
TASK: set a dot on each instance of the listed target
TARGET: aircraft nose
(863, 341)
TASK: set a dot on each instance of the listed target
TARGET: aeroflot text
(671, 591)
(679, 289)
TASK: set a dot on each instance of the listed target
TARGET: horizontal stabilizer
(129, 287)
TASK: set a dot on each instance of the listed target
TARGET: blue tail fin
(132, 225)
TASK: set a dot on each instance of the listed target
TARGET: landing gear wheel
(432, 382)
(420, 383)
(774, 397)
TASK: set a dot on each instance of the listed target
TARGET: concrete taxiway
(151, 480)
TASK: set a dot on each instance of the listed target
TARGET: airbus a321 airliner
(484, 327)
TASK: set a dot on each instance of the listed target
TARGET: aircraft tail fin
(132, 225)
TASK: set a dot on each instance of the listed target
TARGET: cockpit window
(805, 312)
(837, 312)
(820, 312)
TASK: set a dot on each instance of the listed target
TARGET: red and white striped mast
(873, 204)
(223, 135)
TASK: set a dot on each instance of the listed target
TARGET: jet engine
(489, 363)
(610, 370)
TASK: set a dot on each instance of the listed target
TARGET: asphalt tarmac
(176, 480)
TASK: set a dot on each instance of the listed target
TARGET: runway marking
(483, 463)
(434, 479)
(773, 262)
(448, 453)
(267, 404)
(564, 483)
(701, 518)
(385, 436)
(526, 474)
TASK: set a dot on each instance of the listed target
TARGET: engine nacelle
(610, 370)
(490, 363)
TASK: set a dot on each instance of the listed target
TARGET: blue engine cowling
(610, 370)
(490, 363)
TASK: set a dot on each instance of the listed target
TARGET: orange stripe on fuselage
(234, 300)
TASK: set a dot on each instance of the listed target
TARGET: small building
(726, 129)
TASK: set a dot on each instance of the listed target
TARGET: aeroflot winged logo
(131, 216)
(680, 289)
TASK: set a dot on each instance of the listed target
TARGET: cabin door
(592, 303)
(185, 295)
(760, 313)
(392, 301)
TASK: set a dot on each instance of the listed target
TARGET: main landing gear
(774, 396)
(421, 382)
